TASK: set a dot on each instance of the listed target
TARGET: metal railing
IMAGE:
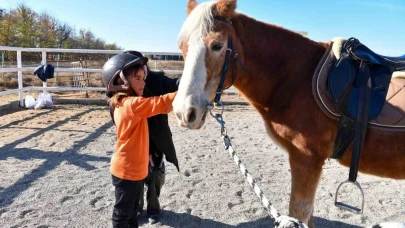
(44, 52)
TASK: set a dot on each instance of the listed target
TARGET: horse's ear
(191, 5)
(225, 8)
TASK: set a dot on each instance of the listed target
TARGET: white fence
(44, 51)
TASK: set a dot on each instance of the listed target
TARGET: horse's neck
(275, 58)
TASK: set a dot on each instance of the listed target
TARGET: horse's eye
(216, 46)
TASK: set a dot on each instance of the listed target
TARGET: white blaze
(191, 99)
(193, 80)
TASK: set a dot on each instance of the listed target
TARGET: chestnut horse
(280, 65)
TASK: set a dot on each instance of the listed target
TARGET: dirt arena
(55, 173)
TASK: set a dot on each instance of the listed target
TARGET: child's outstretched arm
(151, 106)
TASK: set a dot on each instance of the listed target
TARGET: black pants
(154, 182)
(128, 194)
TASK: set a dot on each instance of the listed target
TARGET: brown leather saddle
(356, 82)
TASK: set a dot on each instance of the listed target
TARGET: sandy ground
(55, 173)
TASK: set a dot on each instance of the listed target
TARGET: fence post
(44, 84)
(2, 62)
(20, 82)
(57, 65)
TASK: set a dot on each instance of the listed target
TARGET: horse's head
(208, 42)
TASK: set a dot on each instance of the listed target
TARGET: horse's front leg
(305, 174)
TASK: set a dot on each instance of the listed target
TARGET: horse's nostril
(191, 115)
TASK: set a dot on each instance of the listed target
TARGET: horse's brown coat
(280, 67)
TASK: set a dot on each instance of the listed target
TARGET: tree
(45, 31)
(62, 34)
(25, 28)
(7, 29)
(112, 47)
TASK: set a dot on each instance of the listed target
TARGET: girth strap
(361, 119)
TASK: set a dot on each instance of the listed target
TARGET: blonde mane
(198, 24)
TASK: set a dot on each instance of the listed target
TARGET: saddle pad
(392, 116)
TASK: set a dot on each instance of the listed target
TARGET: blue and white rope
(281, 221)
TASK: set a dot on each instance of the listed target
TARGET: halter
(226, 63)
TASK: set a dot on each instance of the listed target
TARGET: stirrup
(349, 207)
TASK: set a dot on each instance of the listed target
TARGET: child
(124, 75)
(161, 146)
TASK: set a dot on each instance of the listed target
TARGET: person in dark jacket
(160, 141)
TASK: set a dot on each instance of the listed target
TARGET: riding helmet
(115, 65)
(140, 55)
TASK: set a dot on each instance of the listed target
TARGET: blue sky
(153, 25)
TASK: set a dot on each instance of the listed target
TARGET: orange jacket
(131, 157)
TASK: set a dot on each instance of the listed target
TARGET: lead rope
(281, 221)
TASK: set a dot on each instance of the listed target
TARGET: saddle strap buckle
(348, 207)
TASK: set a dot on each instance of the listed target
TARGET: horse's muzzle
(191, 118)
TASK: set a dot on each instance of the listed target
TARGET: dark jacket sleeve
(170, 85)
(160, 136)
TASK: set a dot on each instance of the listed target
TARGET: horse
(277, 81)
